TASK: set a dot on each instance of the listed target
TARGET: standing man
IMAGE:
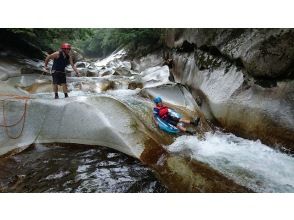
(60, 59)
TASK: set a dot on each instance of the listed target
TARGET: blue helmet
(157, 100)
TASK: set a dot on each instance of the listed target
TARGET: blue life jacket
(60, 63)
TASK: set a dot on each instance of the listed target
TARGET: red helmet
(65, 46)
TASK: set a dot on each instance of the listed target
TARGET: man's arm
(50, 57)
(73, 66)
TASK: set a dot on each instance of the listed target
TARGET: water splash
(249, 163)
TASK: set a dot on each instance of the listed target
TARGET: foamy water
(248, 163)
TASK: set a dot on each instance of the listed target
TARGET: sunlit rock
(176, 95)
(117, 55)
(146, 62)
(155, 76)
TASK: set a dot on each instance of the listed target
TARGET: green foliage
(137, 41)
(51, 38)
(93, 42)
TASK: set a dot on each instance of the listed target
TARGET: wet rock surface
(263, 52)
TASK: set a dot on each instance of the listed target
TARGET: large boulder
(262, 52)
(85, 120)
(143, 63)
(9, 69)
(155, 76)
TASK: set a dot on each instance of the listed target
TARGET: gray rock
(262, 52)
(9, 69)
(149, 61)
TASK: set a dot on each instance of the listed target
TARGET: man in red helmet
(60, 59)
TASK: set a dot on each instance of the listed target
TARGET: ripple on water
(75, 169)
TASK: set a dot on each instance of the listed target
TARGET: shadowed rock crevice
(187, 47)
(15, 42)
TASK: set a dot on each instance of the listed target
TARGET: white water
(248, 163)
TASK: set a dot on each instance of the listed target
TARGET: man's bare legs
(181, 128)
(64, 88)
(194, 121)
(55, 90)
(185, 121)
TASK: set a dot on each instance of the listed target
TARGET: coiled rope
(22, 118)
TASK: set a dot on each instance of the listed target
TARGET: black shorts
(172, 120)
(59, 78)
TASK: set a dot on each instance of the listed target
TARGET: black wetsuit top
(60, 63)
(58, 69)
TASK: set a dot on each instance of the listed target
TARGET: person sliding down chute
(170, 121)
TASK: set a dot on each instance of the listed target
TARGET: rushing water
(75, 169)
(248, 163)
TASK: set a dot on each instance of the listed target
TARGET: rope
(4, 118)
(42, 75)
(21, 118)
